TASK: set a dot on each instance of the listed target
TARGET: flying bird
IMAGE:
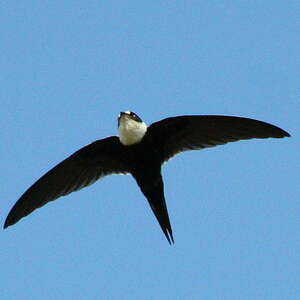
(139, 150)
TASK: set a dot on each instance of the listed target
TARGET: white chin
(131, 132)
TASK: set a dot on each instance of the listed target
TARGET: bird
(139, 150)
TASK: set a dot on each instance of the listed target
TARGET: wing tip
(280, 133)
(7, 224)
(10, 220)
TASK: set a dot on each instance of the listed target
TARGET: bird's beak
(122, 113)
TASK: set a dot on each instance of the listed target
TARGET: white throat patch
(130, 131)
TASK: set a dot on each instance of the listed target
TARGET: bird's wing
(177, 134)
(81, 169)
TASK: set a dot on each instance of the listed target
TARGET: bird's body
(140, 151)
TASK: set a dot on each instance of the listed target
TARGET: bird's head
(131, 128)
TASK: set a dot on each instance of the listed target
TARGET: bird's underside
(146, 150)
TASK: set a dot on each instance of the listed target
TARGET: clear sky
(69, 67)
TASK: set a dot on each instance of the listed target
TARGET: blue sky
(69, 67)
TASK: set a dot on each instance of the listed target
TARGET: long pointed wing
(81, 169)
(177, 134)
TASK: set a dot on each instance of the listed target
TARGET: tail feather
(154, 192)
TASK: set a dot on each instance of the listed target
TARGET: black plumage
(143, 159)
